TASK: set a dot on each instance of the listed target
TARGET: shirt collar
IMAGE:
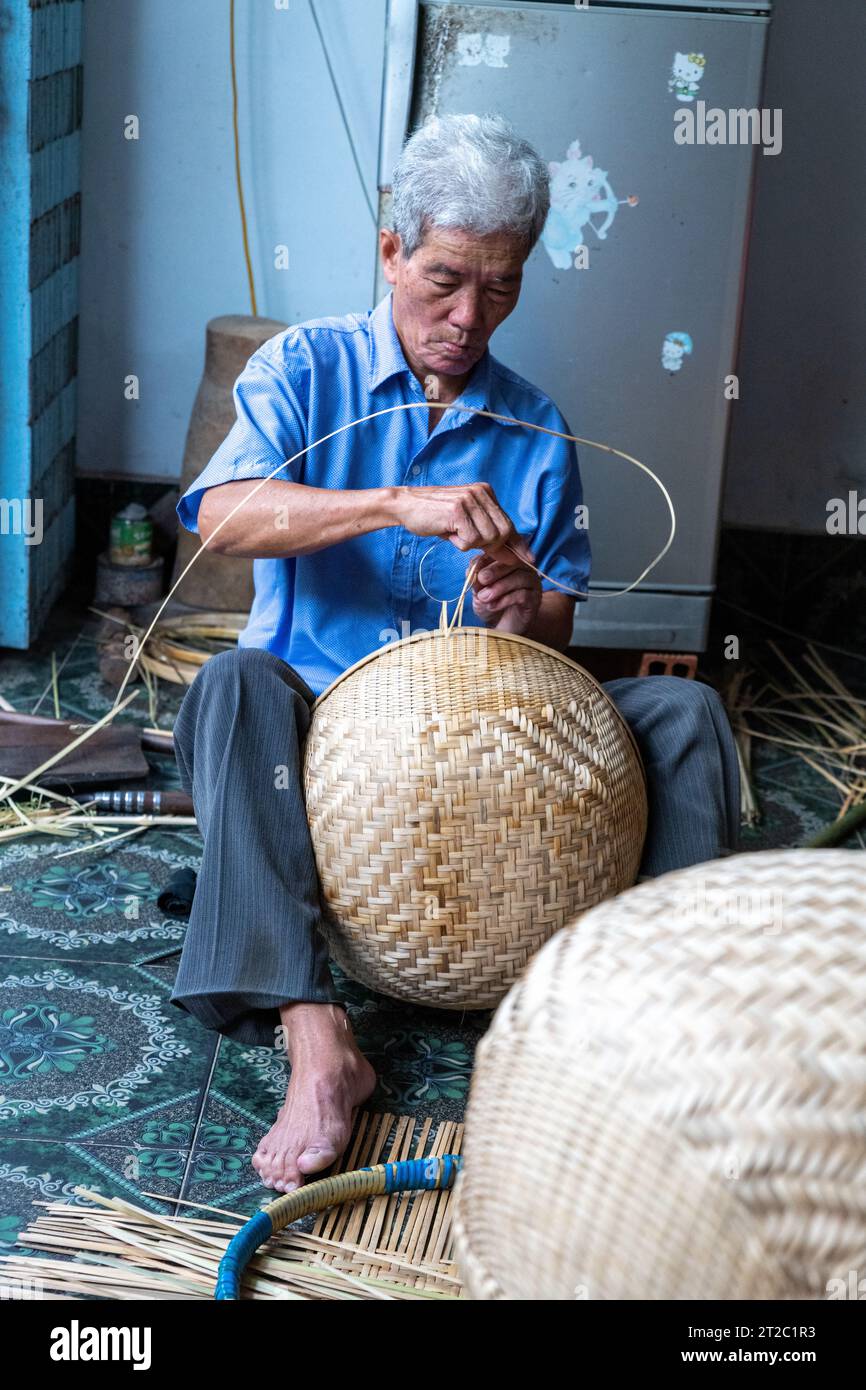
(387, 358)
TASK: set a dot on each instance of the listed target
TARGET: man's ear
(390, 249)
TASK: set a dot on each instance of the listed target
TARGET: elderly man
(338, 537)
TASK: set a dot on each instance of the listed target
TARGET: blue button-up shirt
(322, 612)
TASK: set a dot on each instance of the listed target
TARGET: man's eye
(444, 284)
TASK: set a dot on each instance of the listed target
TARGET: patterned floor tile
(220, 1171)
(40, 1170)
(89, 906)
(81, 1043)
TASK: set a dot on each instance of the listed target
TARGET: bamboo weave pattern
(468, 794)
(690, 1063)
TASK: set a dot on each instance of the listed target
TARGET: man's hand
(468, 516)
(506, 595)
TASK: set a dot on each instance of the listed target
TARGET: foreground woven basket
(686, 1070)
(468, 794)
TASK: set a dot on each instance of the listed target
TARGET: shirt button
(404, 549)
(416, 469)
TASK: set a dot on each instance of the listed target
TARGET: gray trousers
(253, 941)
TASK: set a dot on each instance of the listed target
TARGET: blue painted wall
(161, 236)
(40, 81)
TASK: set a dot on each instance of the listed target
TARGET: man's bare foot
(329, 1079)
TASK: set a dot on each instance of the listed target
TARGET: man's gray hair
(471, 172)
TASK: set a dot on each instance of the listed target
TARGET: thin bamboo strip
(101, 844)
(122, 1251)
(54, 686)
(379, 1210)
(790, 743)
(381, 1213)
(402, 1200)
(791, 668)
(389, 1258)
(826, 672)
(351, 1214)
(400, 1215)
(811, 719)
(360, 1155)
(416, 1238)
(63, 824)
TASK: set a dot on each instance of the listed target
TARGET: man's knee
(243, 675)
(686, 695)
(240, 663)
(650, 701)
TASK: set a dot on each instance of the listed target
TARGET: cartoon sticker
(490, 49)
(686, 73)
(675, 347)
(578, 192)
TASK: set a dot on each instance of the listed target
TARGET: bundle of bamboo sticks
(394, 1247)
(179, 646)
(817, 717)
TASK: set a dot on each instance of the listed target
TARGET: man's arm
(287, 519)
(554, 621)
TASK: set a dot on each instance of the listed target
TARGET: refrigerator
(633, 331)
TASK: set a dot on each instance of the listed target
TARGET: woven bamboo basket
(468, 793)
(687, 1069)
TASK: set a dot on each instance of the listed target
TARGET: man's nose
(466, 313)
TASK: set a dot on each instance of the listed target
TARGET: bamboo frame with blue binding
(411, 1175)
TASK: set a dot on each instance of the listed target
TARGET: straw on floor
(392, 1248)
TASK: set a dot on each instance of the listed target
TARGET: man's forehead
(461, 253)
(457, 269)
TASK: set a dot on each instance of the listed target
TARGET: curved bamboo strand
(425, 405)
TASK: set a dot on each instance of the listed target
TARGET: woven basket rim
(501, 636)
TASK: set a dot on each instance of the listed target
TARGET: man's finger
(521, 549)
(502, 529)
(518, 582)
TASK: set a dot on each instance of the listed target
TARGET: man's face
(451, 295)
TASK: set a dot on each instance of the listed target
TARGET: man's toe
(315, 1157)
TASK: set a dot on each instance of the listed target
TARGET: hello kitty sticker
(686, 73)
(489, 49)
(675, 347)
(579, 192)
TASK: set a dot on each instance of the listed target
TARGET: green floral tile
(220, 1171)
(148, 1151)
(34, 1171)
(89, 906)
(79, 1044)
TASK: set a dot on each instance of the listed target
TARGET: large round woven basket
(468, 794)
(671, 1103)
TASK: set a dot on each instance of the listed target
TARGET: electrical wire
(238, 179)
(346, 126)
